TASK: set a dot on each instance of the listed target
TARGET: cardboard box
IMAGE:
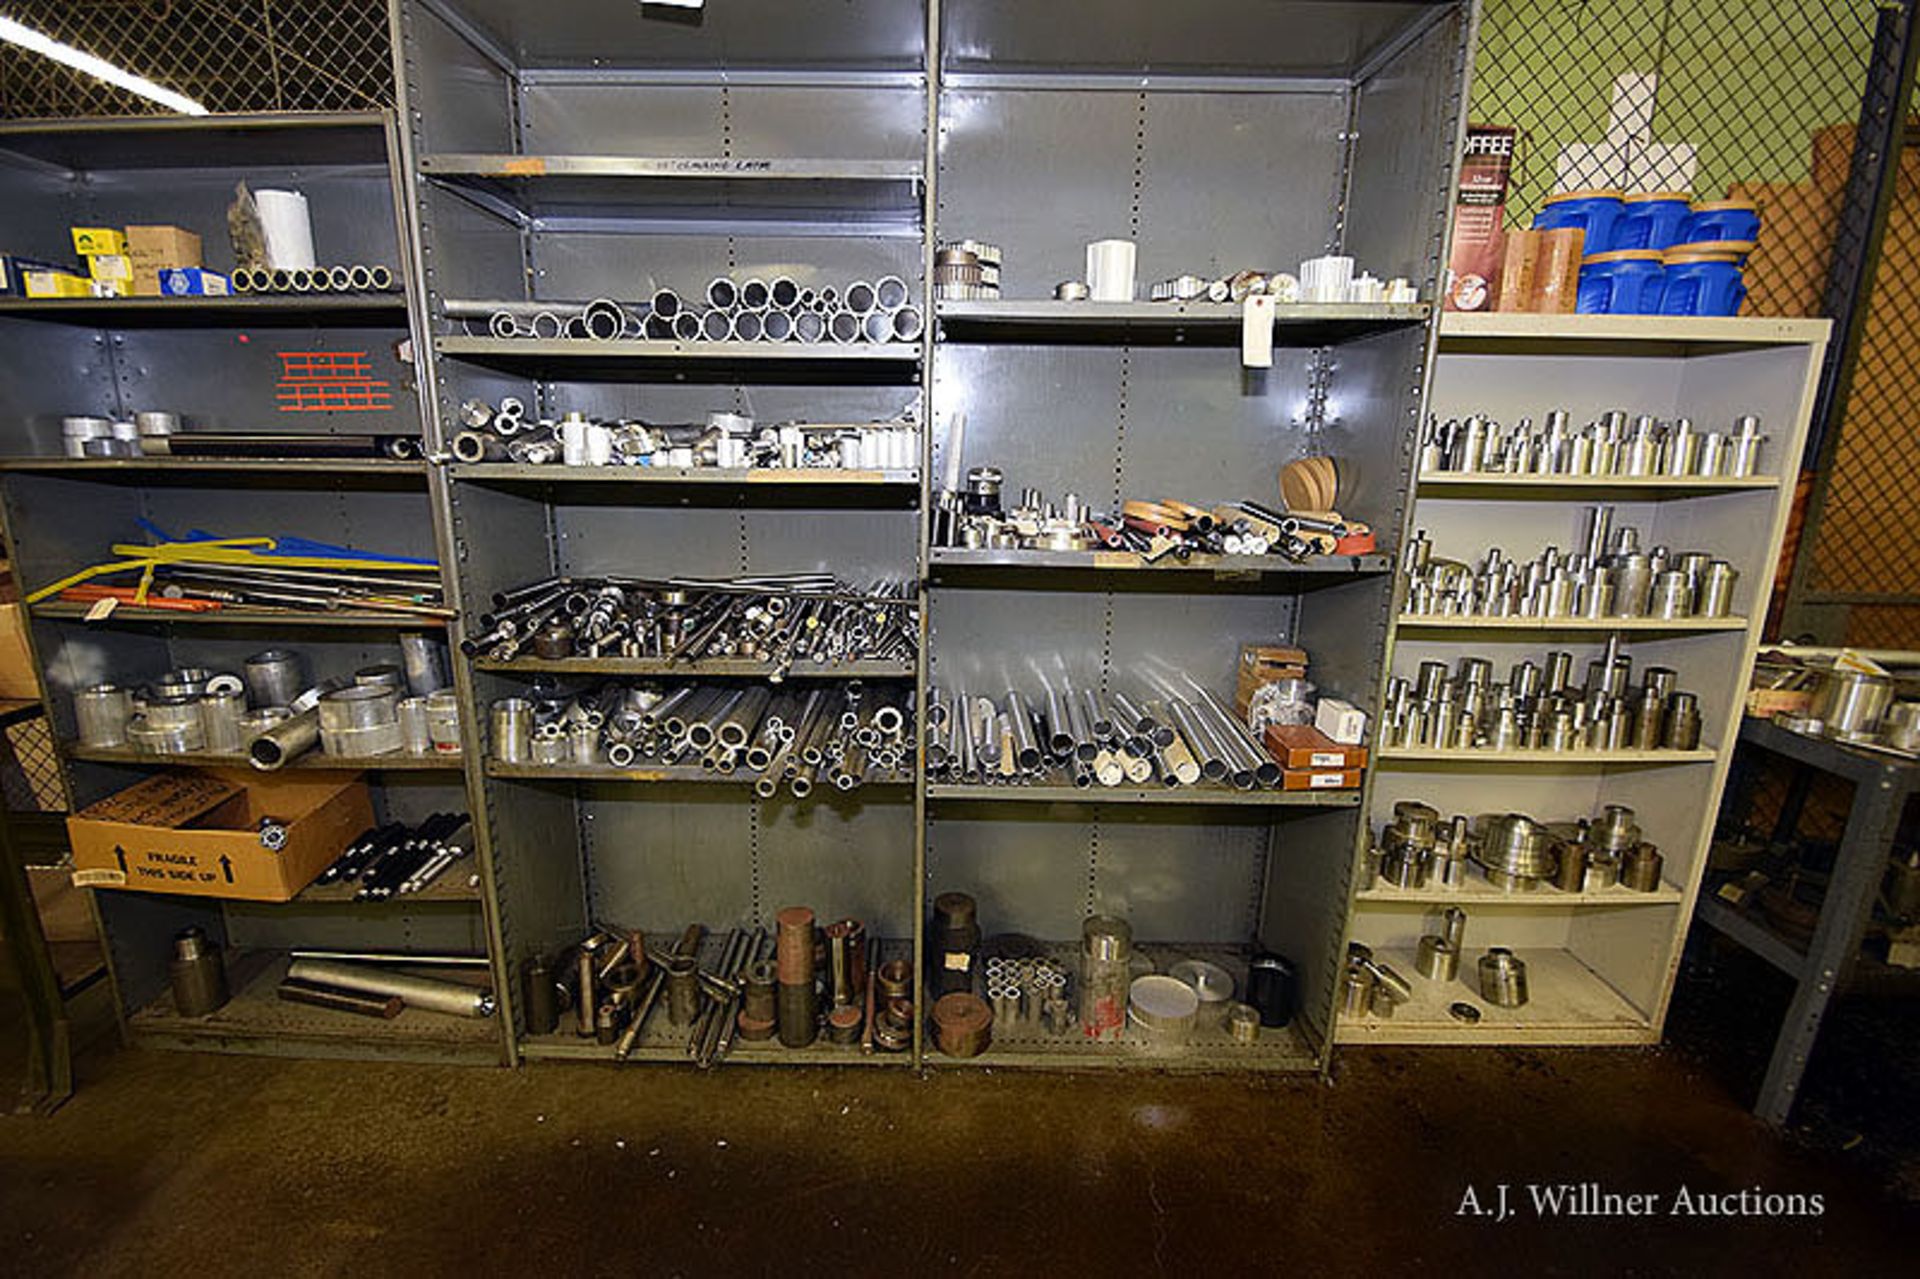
(1320, 779)
(1263, 664)
(1479, 217)
(197, 833)
(56, 283)
(1304, 746)
(1555, 286)
(154, 249)
(191, 281)
(17, 680)
(89, 240)
(117, 267)
(1342, 721)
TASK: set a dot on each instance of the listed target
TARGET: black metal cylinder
(956, 935)
(543, 1003)
(1273, 987)
(796, 1015)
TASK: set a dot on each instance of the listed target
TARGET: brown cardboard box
(1320, 779)
(1263, 664)
(1304, 746)
(17, 680)
(154, 248)
(197, 833)
(1479, 216)
(1516, 271)
(1556, 271)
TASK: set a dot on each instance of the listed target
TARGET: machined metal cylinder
(1437, 959)
(510, 720)
(276, 677)
(1640, 868)
(285, 741)
(1714, 596)
(453, 998)
(424, 659)
(1683, 722)
(101, 713)
(1503, 978)
(220, 721)
(683, 989)
(197, 973)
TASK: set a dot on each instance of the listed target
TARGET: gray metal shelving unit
(217, 362)
(580, 149)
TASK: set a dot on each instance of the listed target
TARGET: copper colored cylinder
(793, 946)
(798, 1024)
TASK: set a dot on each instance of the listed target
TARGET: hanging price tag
(1256, 331)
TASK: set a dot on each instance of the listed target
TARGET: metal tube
(421, 992)
(285, 741)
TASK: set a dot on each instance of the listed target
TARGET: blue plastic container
(1703, 284)
(1624, 282)
(1594, 212)
(1650, 221)
(1722, 220)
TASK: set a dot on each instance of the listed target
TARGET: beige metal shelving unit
(1601, 965)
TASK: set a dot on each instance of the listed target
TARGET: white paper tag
(1325, 781)
(1256, 331)
(109, 877)
(102, 607)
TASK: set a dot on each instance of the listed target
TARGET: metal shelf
(1047, 322)
(686, 194)
(1209, 1047)
(1475, 891)
(638, 359)
(270, 617)
(397, 763)
(299, 310)
(1531, 626)
(1622, 334)
(277, 141)
(1558, 488)
(257, 1020)
(1547, 758)
(668, 774)
(1224, 566)
(1175, 795)
(145, 469)
(1752, 934)
(1568, 1003)
(720, 667)
(513, 473)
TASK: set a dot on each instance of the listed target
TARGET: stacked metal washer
(966, 271)
(273, 711)
(1612, 444)
(730, 309)
(503, 432)
(1611, 577)
(1539, 707)
(358, 277)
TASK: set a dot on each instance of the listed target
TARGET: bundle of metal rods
(1088, 738)
(1539, 707)
(1610, 445)
(781, 620)
(502, 432)
(780, 309)
(396, 859)
(841, 735)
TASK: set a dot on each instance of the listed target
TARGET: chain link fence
(229, 55)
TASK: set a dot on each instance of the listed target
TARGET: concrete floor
(199, 1165)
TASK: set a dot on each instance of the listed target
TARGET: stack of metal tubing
(359, 277)
(398, 859)
(781, 620)
(282, 445)
(1611, 445)
(1155, 529)
(207, 575)
(1088, 739)
(503, 432)
(841, 735)
(1541, 708)
(730, 310)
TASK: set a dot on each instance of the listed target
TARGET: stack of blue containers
(1657, 253)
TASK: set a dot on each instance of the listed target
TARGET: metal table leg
(1872, 823)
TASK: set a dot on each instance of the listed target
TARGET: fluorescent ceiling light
(27, 38)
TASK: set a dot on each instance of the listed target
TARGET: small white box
(1342, 721)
